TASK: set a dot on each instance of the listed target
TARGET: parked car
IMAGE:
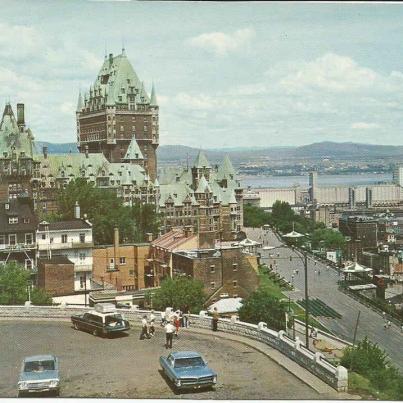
(104, 320)
(39, 373)
(188, 369)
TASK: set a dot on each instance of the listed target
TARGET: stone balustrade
(336, 377)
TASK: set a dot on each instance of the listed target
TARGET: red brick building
(56, 275)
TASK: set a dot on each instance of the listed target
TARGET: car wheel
(95, 332)
(76, 327)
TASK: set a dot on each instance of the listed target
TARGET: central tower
(117, 110)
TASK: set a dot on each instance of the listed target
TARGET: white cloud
(364, 125)
(330, 72)
(221, 43)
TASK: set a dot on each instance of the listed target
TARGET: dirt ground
(125, 367)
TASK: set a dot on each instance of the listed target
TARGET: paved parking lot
(126, 367)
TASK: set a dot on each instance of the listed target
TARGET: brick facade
(56, 276)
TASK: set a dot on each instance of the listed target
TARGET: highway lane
(322, 284)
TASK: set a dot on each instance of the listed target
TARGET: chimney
(45, 152)
(77, 211)
(149, 236)
(86, 151)
(110, 58)
(20, 116)
(116, 246)
(188, 231)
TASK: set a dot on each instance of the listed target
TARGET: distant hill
(348, 149)
(56, 148)
(179, 154)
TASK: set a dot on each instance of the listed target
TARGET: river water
(261, 181)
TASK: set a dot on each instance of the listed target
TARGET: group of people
(171, 320)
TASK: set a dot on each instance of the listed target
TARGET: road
(322, 284)
(126, 367)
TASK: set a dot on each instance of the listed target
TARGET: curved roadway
(126, 367)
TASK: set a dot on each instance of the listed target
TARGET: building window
(235, 283)
(212, 268)
(82, 257)
(26, 220)
(122, 260)
(2, 239)
(82, 238)
(12, 239)
(112, 260)
(82, 281)
(235, 266)
(43, 236)
(28, 239)
(13, 220)
(64, 238)
(212, 284)
(28, 264)
(131, 272)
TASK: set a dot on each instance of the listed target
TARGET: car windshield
(189, 362)
(113, 319)
(39, 366)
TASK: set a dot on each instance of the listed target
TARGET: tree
(254, 217)
(13, 284)
(329, 238)
(105, 211)
(179, 293)
(40, 297)
(261, 306)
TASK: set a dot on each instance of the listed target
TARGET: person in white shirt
(169, 333)
(144, 328)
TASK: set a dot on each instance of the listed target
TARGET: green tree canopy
(14, 281)
(179, 293)
(330, 239)
(106, 211)
(254, 217)
(261, 306)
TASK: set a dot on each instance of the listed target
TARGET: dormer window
(13, 220)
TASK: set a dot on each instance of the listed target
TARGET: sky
(226, 74)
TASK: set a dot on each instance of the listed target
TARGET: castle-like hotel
(118, 137)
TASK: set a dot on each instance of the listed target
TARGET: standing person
(389, 323)
(163, 320)
(215, 319)
(186, 316)
(144, 328)
(152, 327)
(177, 323)
(169, 333)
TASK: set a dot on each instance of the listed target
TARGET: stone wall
(336, 377)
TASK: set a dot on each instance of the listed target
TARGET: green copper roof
(11, 138)
(203, 186)
(116, 83)
(153, 101)
(226, 169)
(201, 161)
(133, 151)
(80, 103)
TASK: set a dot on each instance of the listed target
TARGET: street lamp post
(294, 235)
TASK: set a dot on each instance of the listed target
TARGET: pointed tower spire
(153, 101)
(80, 102)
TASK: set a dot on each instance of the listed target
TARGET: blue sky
(226, 74)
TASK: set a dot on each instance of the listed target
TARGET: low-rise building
(162, 248)
(225, 271)
(56, 275)
(17, 232)
(72, 239)
(121, 266)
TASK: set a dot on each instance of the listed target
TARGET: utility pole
(306, 300)
(356, 327)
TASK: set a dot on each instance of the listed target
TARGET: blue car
(39, 373)
(187, 370)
